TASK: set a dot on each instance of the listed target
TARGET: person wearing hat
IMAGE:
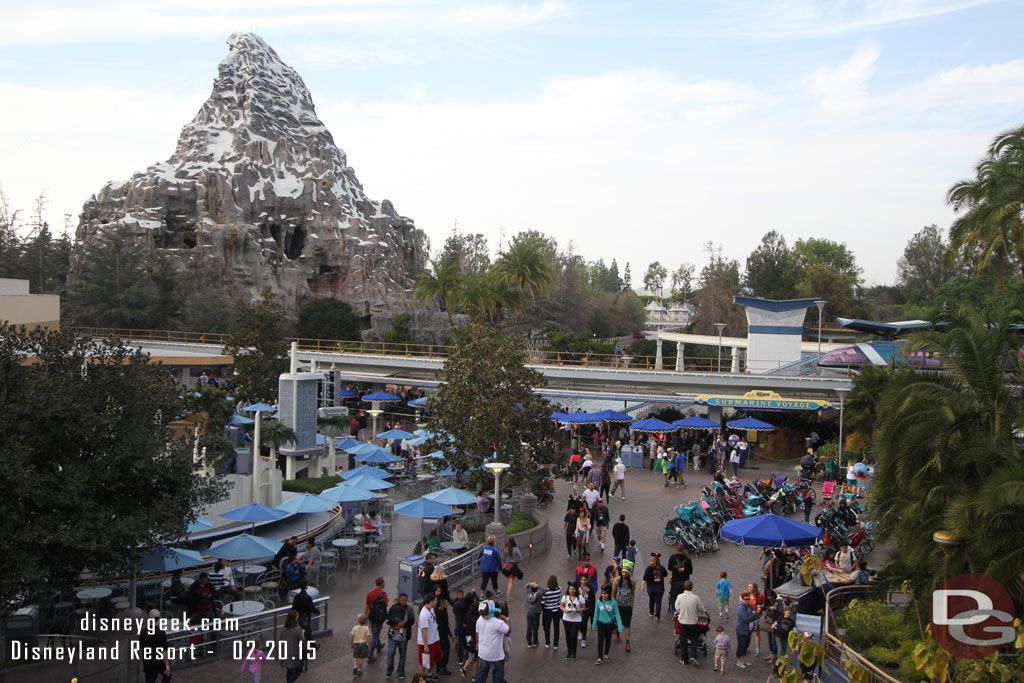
(624, 593)
(620, 478)
(491, 629)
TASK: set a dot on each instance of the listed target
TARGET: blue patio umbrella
(395, 434)
(380, 457)
(436, 455)
(346, 393)
(348, 442)
(240, 420)
(363, 449)
(259, 407)
(750, 423)
(305, 503)
(770, 531)
(254, 512)
(652, 424)
(579, 419)
(382, 396)
(418, 441)
(201, 524)
(447, 472)
(169, 559)
(557, 415)
(368, 471)
(418, 402)
(452, 496)
(245, 547)
(424, 507)
(612, 416)
(697, 422)
(346, 494)
(368, 482)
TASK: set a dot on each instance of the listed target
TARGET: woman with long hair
(654, 583)
(513, 556)
(582, 533)
(606, 482)
(291, 655)
(551, 604)
(572, 607)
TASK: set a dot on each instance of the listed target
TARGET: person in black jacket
(620, 535)
(303, 604)
(680, 568)
(424, 584)
(401, 621)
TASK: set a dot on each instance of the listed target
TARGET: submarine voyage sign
(763, 399)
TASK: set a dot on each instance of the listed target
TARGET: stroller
(703, 626)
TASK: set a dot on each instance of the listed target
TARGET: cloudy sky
(633, 130)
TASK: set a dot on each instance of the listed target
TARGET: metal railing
(836, 649)
(463, 567)
(430, 351)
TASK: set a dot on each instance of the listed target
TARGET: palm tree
(949, 459)
(443, 284)
(991, 206)
(217, 449)
(525, 268)
(274, 434)
(482, 297)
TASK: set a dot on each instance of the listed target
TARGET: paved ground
(652, 654)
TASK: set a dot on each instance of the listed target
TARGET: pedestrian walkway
(652, 643)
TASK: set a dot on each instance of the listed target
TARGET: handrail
(836, 649)
(705, 364)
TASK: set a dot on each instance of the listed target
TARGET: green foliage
(771, 269)
(258, 347)
(654, 278)
(328, 318)
(719, 282)
(921, 271)
(212, 401)
(948, 457)
(603, 278)
(486, 406)
(829, 271)
(30, 252)
(444, 283)
(570, 342)
(400, 332)
(216, 449)
(314, 485)
(469, 252)
(91, 479)
(519, 522)
(525, 268)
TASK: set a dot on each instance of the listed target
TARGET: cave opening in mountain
(294, 242)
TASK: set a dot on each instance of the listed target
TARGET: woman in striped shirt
(552, 614)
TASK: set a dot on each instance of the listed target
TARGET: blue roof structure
(774, 305)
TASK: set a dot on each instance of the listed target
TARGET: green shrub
(519, 522)
(883, 656)
(313, 485)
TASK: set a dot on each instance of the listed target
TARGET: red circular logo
(972, 615)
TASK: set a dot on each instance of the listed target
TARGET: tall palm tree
(525, 268)
(991, 206)
(949, 458)
(479, 297)
(443, 284)
(275, 434)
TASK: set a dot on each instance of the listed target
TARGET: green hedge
(314, 486)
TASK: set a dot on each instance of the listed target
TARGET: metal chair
(271, 583)
(371, 549)
(354, 559)
(255, 589)
(329, 565)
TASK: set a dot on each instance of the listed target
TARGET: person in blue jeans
(490, 565)
(746, 622)
(401, 620)
(491, 629)
(680, 469)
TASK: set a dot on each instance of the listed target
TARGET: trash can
(23, 627)
(633, 457)
(407, 580)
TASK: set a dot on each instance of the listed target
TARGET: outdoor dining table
(253, 569)
(453, 546)
(242, 608)
(344, 543)
(94, 593)
(425, 476)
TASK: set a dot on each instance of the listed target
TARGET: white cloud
(54, 22)
(843, 89)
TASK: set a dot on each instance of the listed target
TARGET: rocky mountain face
(258, 187)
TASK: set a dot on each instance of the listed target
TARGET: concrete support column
(715, 414)
(735, 359)
(680, 350)
(658, 356)
(289, 468)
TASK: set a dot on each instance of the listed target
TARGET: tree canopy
(771, 269)
(258, 347)
(91, 478)
(328, 318)
(486, 409)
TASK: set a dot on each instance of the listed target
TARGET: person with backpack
(376, 611)
(624, 591)
(400, 620)
(490, 564)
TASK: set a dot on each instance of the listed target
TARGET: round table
(453, 546)
(311, 591)
(457, 512)
(424, 477)
(96, 593)
(344, 543)
(253, 569)
(361, 530)
(243, 608)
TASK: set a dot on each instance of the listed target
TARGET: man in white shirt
(620, 478)
(428, 638)
(491, 629)
(688, 607)
(590, 497)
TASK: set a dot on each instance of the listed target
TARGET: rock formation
(258, 187)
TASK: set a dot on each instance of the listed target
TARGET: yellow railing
(536, 357)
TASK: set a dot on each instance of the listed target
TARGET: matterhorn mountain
(257, 186)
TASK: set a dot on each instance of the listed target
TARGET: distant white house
(678, 316)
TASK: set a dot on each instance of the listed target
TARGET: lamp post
(721, 328)
(375, 412)
(820, 303)
(842, 391)
(497, 468)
